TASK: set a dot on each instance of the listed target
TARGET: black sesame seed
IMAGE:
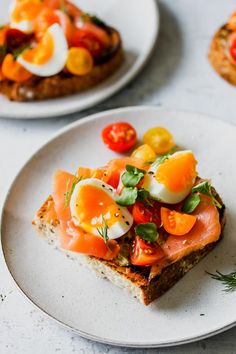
(103, 185)
(151, 173)
(127, 223)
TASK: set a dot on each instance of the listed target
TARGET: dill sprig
(69, 191)
(103, 230)
(229, 280)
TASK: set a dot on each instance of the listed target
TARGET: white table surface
(178, 76)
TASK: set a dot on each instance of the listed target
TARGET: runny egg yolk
(42, 52)
(177, 172)
(26, 10)
(92, 203)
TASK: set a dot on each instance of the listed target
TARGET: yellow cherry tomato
(79, 61)
(160, 140)
(145, 153)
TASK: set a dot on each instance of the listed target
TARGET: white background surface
(178, 77)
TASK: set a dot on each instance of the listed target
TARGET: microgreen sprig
(103, 230)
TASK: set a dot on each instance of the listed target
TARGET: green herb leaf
(229, 280)
(103, 231)
(205, 188)
(147, 231)
(132, 176)
(144, 196)
(128, 196)
(191, 203)
(165, 156)
(3, 52)
(97, 21)
(20, 50)
(70, 191)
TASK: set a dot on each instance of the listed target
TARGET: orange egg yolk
(178, 172)
(42, 52)
(26, 10)
(92, 203)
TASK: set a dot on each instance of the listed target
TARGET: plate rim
(57, 134)
(115, 88)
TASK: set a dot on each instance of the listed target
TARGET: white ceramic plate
(91, 306)
(138, 23)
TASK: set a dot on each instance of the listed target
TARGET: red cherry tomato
(16, 38)
(142, 213)
(232, 47)
(144, 254)
(119, 137)
(89, 41)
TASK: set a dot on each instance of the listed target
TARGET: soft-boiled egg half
(171, 181)
(23, 13)
(93, 203)
(49, 56)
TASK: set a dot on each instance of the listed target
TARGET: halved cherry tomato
(79, 61)
(142, 213)
(232, 46)
(15, 38)
(176, 223)
(144, 254)
(87, 40)
(12, 70)
(160, 139)
(119, 137)
(144, 152)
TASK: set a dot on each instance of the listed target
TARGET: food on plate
(222, 53)
(52, 48)
(142, 221)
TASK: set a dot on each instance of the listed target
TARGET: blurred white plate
(195, 308)
(138, 23)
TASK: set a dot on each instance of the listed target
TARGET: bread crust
(219, 57)
(135, 279)
(62, 84)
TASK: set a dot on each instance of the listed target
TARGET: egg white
(58, 59)
(159, 191)
(119, 228)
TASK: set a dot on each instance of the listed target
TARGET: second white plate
(138, 23)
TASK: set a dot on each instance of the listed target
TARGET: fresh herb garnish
(205, 188)
(194, 198)
(128, 196)
(144, 196)
(165, 156)
(229, 280)
(132, 176)
(103, 230)
(20, 50)
(191, 203)
(3, 52)
(70, 191)
(147, 231)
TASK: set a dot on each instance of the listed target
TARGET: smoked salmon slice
(72, 237)
(206, 230)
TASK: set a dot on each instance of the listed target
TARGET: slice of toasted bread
(63, 84)
(219, 56)
(134, 279)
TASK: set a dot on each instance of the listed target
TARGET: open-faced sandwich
(142, 221)
(51, 48)
(222, 53)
